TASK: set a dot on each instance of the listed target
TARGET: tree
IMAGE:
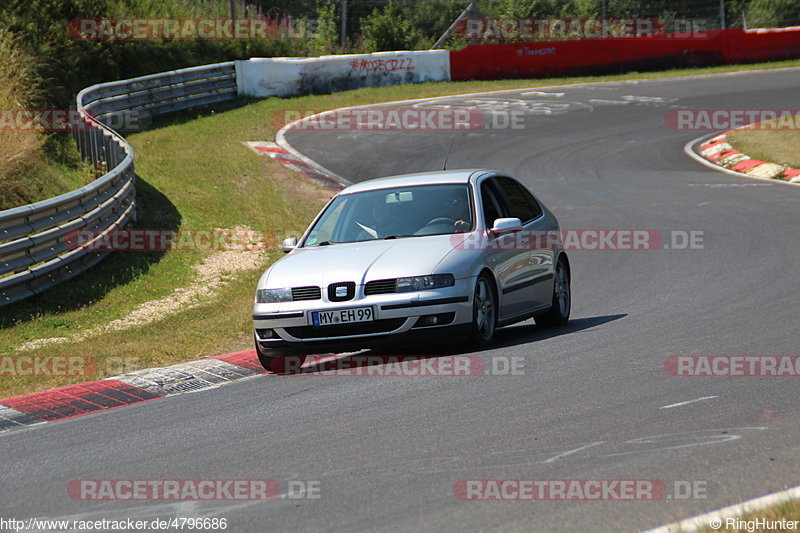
(390, 29)
(326, 36)
(773, 13)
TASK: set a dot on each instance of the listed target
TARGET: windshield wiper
(399, 237)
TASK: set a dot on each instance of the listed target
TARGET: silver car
(436, 255)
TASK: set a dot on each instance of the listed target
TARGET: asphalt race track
(387, 452)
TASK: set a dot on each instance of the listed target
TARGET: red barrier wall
(760, 45)
(539, 59)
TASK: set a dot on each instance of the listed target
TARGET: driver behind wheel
(457, 209)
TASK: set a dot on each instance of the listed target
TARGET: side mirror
(503, 226)
(289, 244)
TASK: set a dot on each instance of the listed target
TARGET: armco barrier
(554, 58)
(292, 76)
(35, 252)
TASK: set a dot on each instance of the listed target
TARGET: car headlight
(271, 296)
(421, 283)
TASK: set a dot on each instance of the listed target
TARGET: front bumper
(397, 316)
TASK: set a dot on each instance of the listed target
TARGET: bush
(387, 29)
(43, 66)
(67, 65)
(773, 13)
(20, 151)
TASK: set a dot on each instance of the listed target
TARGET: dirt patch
(294, 185)
(213, 273)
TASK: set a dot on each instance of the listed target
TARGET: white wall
(290, 76)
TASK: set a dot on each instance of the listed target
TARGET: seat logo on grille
(339, 292)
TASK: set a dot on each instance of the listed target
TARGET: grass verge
(33, 165)
(195, 173)
(28, 174)
(781, 146)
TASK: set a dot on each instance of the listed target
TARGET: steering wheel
(441, 220)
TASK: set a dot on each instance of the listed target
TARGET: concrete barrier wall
(291, 76)
(32, 254)
(35, 251)
(555, 58)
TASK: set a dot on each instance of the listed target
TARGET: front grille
(343, 330)
(306, 293)
(380, 286)
(342, 291)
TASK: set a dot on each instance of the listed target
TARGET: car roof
(419, 178)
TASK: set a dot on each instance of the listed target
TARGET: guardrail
(37, 248)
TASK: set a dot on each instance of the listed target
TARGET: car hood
(360, 262)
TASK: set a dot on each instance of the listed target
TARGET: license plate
(342, 316)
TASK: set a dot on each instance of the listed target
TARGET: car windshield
(395, 213)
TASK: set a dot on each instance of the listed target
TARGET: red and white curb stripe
(718, 517)
(304, 166)
(718, 151)
(153, 383)
(126, 389)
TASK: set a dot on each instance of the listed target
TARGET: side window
(537, 209)
(520, 202)
(491, 211)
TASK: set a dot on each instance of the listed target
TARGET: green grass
(33, 165)
(43, 67)
(194, 173)
(39, 177)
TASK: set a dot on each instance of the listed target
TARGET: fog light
(434, 320)
(265, 333)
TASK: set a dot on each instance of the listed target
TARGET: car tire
(558, 314)
(278, 363)
(484, 312)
